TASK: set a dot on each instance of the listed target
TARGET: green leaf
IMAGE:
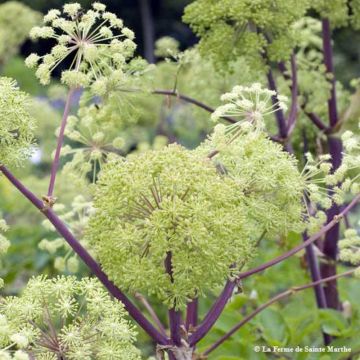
(273, 327)
(332, 322)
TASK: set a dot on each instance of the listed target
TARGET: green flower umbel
(16, 124)
(64, 318)
(96, 43)
(167, 223)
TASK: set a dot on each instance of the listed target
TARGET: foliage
(244, 26)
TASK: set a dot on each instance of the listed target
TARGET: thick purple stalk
(192, 314)
(316, 121)
(175, 323)
(95, 268)
(213, 314)
(60, 141)
(174, 315)
(222, 300)
(330, 245)
(318, 289)
(328, 61)
(280, 117)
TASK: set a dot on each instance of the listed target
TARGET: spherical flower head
(250, 104)
(16, 124)
(91, 39)
(76, 318)
(169, 214)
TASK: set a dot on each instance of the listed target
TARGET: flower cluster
(251, 104)
(232, 28)
(269, 177)
(346, 179)
(16, 124)
(93, 142)
(350, 247)
(166, 46)
(96, 42)
(64, 318)
(76, 219)
(170, 215)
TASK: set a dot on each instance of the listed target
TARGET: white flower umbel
(95, 42)
(249, 104)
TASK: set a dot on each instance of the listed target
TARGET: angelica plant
(99, 46)
(266, 175)
(65, 318)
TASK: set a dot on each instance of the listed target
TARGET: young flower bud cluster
(350, 247)
(346, 179)
(314, 174)
(65, 318)
(76, 219)
(170, 215)
(16, 124)
(166, 46)
(249, 104)
(96, 42)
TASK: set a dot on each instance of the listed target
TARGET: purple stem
(60, 141)
(192, 314)
(328, 61)
(313, 117)
(291, 121)
(213, 314)
(262, 307)
(191, 101)
(134, 312)
(313, 266)
(174, 315)
(316, 120)
(318, 289)
(335, 149)
(280, 117)
(330, 247)
(175, 323)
